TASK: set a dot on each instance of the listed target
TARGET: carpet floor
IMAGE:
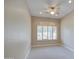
(51, 53)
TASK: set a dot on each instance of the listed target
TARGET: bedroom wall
(67, 31)
(17, 30)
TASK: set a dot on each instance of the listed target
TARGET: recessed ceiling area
(50, 8)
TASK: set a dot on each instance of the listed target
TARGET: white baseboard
(68, 48)
(46, 45)
(27, 55)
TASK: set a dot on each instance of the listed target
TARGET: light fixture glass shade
(40, 12)
(70, 1)
(52, 12)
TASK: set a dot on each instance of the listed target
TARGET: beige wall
(67, 31)
(38, 20)
(17, 30)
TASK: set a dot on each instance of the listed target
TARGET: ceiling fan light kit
(52, 10)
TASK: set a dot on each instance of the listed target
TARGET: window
(39, 32)
(46, 32)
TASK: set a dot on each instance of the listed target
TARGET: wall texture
(17, 29)
(67, 31)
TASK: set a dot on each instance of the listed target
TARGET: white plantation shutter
(46, 32)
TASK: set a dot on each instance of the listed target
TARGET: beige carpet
(50, 53)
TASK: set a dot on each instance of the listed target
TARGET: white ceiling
(37, 6)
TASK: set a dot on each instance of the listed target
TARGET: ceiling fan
(52, 8)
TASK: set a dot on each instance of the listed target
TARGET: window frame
(47, 33)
